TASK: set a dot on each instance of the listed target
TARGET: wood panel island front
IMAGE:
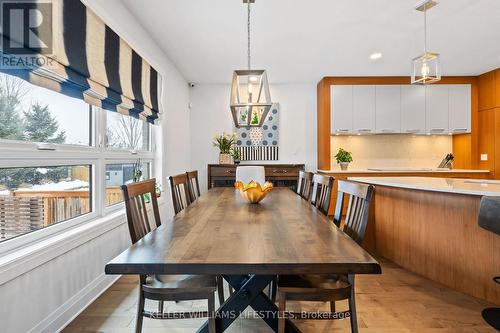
(429, 226)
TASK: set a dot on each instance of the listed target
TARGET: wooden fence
(19, 215)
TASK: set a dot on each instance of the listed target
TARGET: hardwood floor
(395, 302)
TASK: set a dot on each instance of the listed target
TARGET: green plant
(255, 119)
(236, 153)
(224, 142)
(137, 171)
(343, 156)
(158, 189)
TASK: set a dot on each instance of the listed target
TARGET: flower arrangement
(224, 142)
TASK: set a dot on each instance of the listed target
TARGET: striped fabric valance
(88, 60)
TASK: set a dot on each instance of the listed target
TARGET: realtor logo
(27, 39)
(27, 27)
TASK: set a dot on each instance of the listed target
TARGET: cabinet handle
(388, 131)
(437, 129)
(229, 171)
(343, 130)
(458, 130)
(364, 130)
(412, 130)
(280, 171)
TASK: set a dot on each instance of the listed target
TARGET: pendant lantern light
(250, 96)
(426, 68)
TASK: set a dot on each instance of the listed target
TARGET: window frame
(18, 154)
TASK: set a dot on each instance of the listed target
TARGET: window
(125, 132)
(37, 197)
(77, 177)
(120, 174)
(32, 113)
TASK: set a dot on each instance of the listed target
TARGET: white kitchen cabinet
(412, 109)
(388, 109)
(436, 108)
(363, 109)
(460, 108)
(341, 109)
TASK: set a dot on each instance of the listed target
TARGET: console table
(281, 175)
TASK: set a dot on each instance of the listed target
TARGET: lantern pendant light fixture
(250, 96)
(426, 67)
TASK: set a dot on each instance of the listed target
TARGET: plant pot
(225, 159)
(344, 166)
(237, 161)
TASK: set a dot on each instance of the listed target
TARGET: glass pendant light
(426, 67)
(250, 96)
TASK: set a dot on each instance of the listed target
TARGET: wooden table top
(220, 233)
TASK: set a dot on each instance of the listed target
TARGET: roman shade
(88, 60)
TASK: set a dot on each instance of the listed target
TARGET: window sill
(29, 257)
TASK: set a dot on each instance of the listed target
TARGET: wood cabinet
(459, 108)
(436, 109)
(341, 109)
(278, 174)
(412, 109)
(487, 93)
(363, 109)
(388, 109)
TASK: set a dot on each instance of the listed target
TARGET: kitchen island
(429, 226)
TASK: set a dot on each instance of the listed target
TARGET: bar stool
(489, 219)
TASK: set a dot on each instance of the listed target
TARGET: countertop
(404, 170)
(450, 185)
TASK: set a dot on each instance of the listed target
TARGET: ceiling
(302, 41)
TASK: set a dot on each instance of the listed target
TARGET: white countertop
(404, 170)
(450, 185)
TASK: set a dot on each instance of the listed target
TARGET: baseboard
(64, 314)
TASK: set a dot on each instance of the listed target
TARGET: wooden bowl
(253, 192)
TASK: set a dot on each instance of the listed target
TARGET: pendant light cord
(425, 29)
(248, 34)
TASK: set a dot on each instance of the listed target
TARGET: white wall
(210, 114)
(66, 279)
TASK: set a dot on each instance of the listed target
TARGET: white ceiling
(302, 41)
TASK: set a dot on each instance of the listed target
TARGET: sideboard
(278, 174)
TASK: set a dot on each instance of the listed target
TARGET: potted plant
(225, 143)
(236, 153)
(158, 190)
(137, 171)
(343, 158)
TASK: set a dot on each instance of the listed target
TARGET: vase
(344, 166)
(225, 159)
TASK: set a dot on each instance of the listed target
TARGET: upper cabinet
(437, 108)
(413, 109)
(363, 109)
(341, 109)
(410, 109)
(459, 109)
(388, 109)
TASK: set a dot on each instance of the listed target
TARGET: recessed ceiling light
(375, 56)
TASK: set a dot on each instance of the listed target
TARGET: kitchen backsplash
(372, 151)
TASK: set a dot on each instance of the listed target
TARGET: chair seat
(315, 287)
(184, 286)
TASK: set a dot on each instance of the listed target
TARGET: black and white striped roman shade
(90, 61)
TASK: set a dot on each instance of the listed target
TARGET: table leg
(249, 290)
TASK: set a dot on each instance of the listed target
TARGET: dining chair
(489, 219)
(180, 192)
(247, 173)
(331, 288)
(304, 184)
(193, 185)
(138, 196)
(322, 192)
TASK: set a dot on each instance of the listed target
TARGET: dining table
(249, 245)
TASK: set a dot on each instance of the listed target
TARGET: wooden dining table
(248, 244)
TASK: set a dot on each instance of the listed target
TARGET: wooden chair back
(193, 185)
(356, 218)
(180, 192)
(489, 214)
(304, 184)
(136, 195)
(322, 192)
